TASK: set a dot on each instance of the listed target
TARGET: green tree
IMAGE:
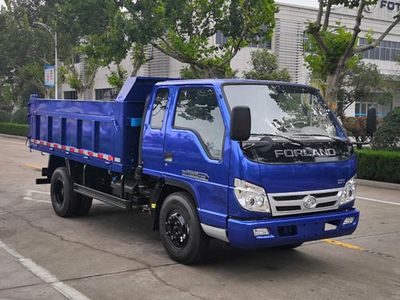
(105, 42)
(362, 82)
(265, 67)
(80, 77)
(26, 48)
(337, 47)
(117, 78)
(182, 29)
(22, 53)
(388, 134)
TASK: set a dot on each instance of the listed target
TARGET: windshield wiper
(293, 141)
(325, 135)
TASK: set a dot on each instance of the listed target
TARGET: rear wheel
(180, 229)
(67, 203)
(84, 204)
(62, 193)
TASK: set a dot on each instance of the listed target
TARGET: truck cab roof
(220, 82)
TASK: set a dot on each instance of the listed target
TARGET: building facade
(288, 45)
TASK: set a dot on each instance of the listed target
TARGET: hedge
(379, 165)
(14, 129)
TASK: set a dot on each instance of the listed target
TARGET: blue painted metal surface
(308, 228)
(136, 122)
(99, 133)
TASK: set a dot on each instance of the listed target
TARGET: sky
(312, 3)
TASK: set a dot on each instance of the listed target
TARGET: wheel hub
(177, 229)
(59, 192)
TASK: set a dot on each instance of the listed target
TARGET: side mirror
(240, 123)
(371, 121)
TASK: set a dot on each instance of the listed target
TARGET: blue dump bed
(104, 134)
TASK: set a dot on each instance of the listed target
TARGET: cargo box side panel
(133, 117)
(85, 131)
(133, 96)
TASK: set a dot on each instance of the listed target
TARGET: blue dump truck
(252, 163)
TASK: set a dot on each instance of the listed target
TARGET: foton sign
(390, 5)
(383, 4)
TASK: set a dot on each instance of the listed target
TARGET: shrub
(14, 129)
(388, 134)
(379, 165)
(356, 126)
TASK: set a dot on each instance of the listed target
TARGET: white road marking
(376, 200)
(68, 291)
(29, 196)
(40, 192)
(36, 200)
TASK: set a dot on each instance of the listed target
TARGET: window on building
(70, 95)
(387, 50)
(361, 109)
(104, 94)
(158, 110)
(197, 110)
(77, 59)
(220, 39)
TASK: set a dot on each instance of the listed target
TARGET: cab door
(196, 150)
(154, 132)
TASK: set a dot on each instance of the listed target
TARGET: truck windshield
(283, 110)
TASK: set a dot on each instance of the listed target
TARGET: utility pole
(54, 34)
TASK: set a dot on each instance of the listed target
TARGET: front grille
(287, 208)
(294, 202)
(300, 197)
(326, 204)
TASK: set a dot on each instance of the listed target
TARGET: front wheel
(180, 229)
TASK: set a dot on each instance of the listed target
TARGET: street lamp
(54, 34)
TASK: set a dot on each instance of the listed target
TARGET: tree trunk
(331, 93)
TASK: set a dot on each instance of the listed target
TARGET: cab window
(197, 110)
(159, 107)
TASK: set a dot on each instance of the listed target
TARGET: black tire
(186, 243)
(84, 205)
(63, 197)
(291, 246)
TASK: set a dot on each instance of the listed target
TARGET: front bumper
(290, 230)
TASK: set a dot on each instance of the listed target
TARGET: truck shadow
(136, 227)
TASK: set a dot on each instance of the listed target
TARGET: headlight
(349, 191)
(251, 197)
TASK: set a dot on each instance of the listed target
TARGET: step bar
(104, 197)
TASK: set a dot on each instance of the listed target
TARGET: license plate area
(285, 231)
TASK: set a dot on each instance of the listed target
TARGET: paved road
(113, 254)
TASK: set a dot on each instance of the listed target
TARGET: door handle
(168, 157)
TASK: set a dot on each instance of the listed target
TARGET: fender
(163, 188)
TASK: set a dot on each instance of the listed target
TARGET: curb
(379, 184)
(9, 136)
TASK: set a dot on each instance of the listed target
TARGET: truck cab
(265, 163)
